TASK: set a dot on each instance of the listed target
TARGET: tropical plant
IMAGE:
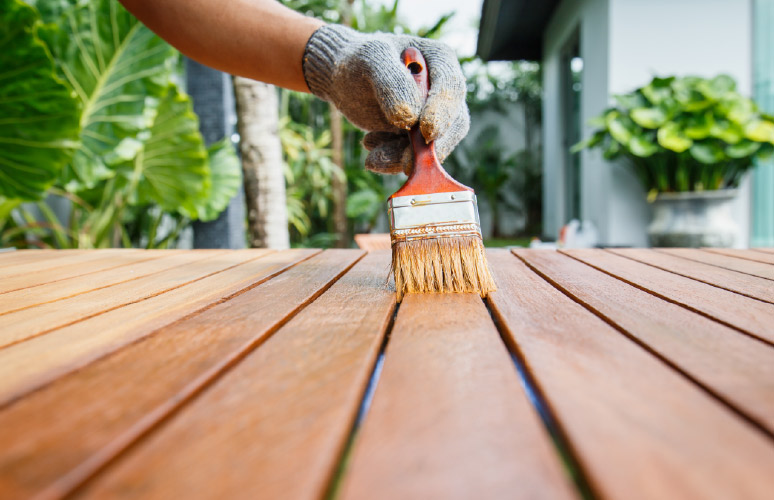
(104, 125)
(38, 115)
(684, 134)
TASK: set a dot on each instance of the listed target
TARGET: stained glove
(363, 76)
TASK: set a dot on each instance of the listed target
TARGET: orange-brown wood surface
(632, 420)
(30, 364)
(736, 367)
(745, 266)
(766, 258)
(294, 399)
(744, 284)
(254, 374)
(449, 417)
(733, 309)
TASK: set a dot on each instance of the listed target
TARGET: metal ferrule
(437, 215)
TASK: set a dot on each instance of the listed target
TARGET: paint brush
(434, 226)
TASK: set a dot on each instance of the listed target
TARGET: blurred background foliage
(99, 120)
(116, 136)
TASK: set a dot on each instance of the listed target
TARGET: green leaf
(670, 137)
(171, 169)
(658, 90)
(641, 146)
(699, 126)
(38, 113)
(760, 131)
(226, 180)
(648, 117)
(726, 131)
(618, 128)
(117, 68)
(363, 204)
(707, 153)
(743, 149)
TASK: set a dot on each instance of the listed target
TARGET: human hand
(363, 76)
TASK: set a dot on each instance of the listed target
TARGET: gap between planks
(622, 409)
(734, 368)
(189, 267)
(749, 316)
(29, 365)
(743, 284)
(229, 386)
(725, 261)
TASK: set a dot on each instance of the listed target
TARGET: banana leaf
(226, 179)
(170, 166)
(118, 69)
(38, 114)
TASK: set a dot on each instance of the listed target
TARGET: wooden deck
(622, 374)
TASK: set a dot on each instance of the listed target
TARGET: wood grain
(57, 275)
(743, 254)
(725, 261)
(749, 315)
(29, 365)
(737, 368)
(642, 430)
(750, 286)
(449, 418)
(102, 411)
(85, 280)
(47, 260)
(185, 268)
(373, 241)
(13, 257)
(764, 250)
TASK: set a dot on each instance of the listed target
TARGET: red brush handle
(428, 176)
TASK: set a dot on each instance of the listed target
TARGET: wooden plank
(119, 270)
(57, 258)
(105, 407)
(373, 241)
(29, 365)
(764, 250)
(14, 257)
(743, 254)
(750, 286)
(749, 315)
(737, 368)
(641, 429)
(107, 262)
(757, 269)
(449, 418)
(184, 268)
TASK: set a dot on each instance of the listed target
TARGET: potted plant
(690, 140)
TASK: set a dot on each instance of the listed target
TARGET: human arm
(361, 74)
(258, 39)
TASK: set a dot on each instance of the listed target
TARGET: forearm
(259, 39)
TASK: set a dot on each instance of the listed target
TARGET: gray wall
(624, 43)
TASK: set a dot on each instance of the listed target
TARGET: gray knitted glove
(363, 76)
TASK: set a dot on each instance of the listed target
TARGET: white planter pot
(694, 219)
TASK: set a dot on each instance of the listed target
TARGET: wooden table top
(621, 373)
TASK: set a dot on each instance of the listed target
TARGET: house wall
(624, 43)
(590, 18)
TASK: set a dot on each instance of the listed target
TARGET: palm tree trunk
(264, 180)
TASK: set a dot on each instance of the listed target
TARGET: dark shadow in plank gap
(572, 465)
(331, 492)
(706, 389)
